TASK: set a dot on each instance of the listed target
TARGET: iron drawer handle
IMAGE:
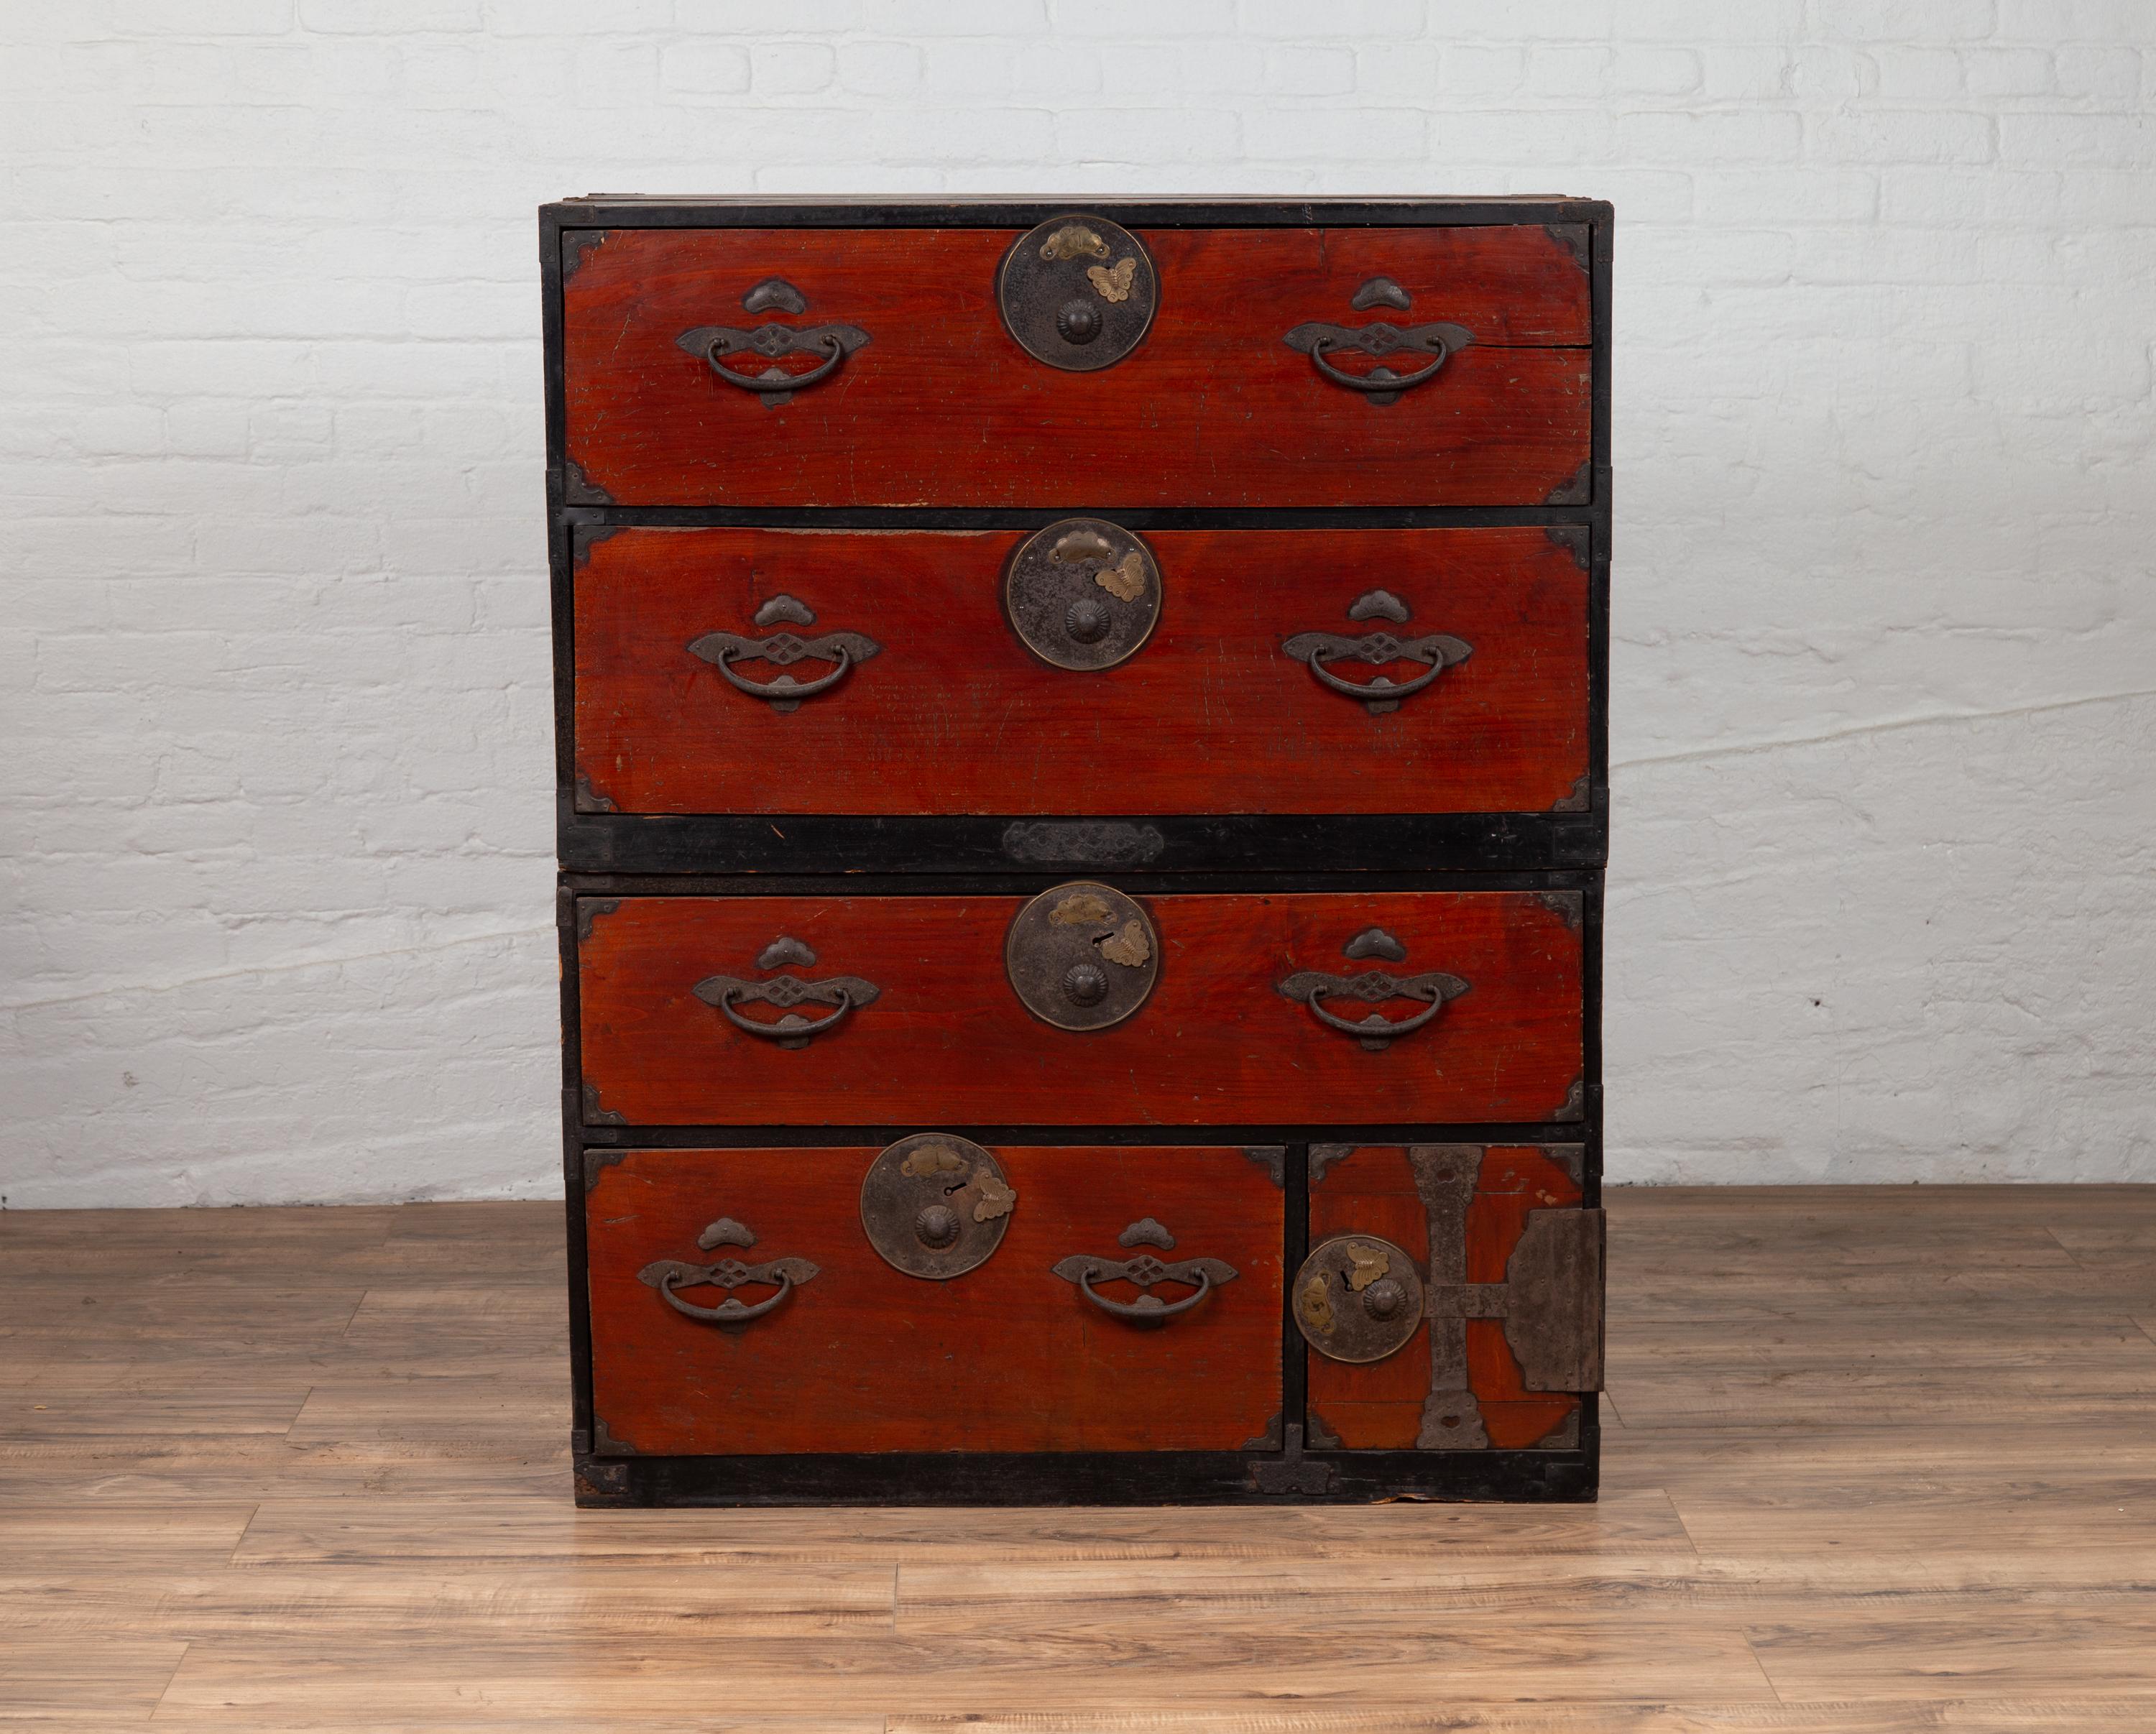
(1377, 339)
(728, 1273)
(722, 649)
(728, 1311)
(1145, 1307)
(1441, 651)
(1373, 985)
(834, 342)
(783, 689)
(843, 992)
(791, 1030)
(1202, 1274)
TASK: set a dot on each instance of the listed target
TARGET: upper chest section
(1080, 362)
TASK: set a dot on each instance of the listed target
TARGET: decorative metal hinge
(1551, 1299)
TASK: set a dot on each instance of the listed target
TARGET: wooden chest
(1082, 806)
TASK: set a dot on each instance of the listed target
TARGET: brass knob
(938, 1226)
(1086, 984)
(1088, 621)
(1078, 322)
(1384, 1298)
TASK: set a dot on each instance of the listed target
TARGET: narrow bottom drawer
(1124, 1299)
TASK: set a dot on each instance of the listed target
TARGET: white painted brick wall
(276, 913)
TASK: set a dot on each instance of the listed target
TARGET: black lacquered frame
(612, 854)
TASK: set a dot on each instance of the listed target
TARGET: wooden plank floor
(1877, 1460)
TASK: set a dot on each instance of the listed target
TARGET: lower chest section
(942, 1296)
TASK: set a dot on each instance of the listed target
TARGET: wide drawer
(883, 1010)
(830, 1348)
(1452, 1299)
(925, 398)
(928, 701)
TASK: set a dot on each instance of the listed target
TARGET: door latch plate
(1358, 1298)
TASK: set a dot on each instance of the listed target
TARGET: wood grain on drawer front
(1378, 1405)
(953, 715)
(942, 407)
(946, 1041)
(1007, 1357)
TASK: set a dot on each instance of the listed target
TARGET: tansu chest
(1081, 791)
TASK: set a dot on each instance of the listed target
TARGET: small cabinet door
(739, 1307)
(1451, 1299)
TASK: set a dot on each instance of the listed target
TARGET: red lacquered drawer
(1010, 1355)
(1220, 711)
(904, 1010)
(941, 405)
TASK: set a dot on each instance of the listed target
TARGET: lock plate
(935, 1206)
(1082, 957)
(1078, 293)
(1083, 594)
(1358, 1298)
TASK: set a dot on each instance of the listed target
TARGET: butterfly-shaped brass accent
(1112, 282)
(1125, 580)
